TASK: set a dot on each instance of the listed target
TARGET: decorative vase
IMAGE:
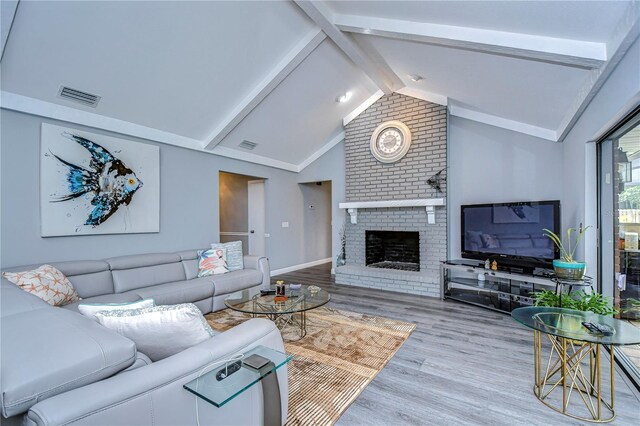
(569, 270)
(340, 260)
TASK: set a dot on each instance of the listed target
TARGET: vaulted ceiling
(210, 75)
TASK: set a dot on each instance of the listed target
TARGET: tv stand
(502, 290)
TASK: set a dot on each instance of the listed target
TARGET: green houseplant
(578, 300)
(567, 267)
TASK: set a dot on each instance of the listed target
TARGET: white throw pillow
(160, 331)
(91, 309)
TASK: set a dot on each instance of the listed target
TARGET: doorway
(619, 223)
(242, 201)
(316, 218)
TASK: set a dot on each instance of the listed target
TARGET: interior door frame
(257, 201)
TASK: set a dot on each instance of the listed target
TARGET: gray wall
(579, 168)
(330, 167)
(188, 203)
(317, 220)
(489, 164)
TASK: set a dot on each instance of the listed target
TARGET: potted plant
(578, 300)
(567, 267)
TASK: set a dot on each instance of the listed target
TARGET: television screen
(510, 231)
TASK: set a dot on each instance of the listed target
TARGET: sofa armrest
(154, 394)
(261, 264)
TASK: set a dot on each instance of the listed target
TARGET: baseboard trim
(300, 266)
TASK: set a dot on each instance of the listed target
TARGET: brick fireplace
(368, 180)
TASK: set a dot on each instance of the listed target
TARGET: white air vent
(247, 145)
(78, 96)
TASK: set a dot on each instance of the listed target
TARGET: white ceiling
(301, 114)
(579, 20)
(209, 74)
(167, 65)
(492, 84)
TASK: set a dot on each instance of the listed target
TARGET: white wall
(579, 168)
(488, 164)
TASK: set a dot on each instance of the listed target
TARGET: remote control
(604, 329)
(267, 292)
(225, 372)
(591, 327)
(598, 328)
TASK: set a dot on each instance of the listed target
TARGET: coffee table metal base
(287, 320)
(564, 373)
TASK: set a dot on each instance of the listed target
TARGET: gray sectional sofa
(59, 367)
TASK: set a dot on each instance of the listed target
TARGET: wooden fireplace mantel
(429, 203)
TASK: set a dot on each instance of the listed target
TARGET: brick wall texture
(367, 179)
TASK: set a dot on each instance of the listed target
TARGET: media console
(501, 291)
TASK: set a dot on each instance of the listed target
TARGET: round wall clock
(390, 141)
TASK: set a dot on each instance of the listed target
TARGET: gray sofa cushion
(173, 293)
(141, 361)
(141, 260)
(145, 276)
(89, 277)
(236, 280)
(14, 300)
(189, 262)
(49, 351)
(105, 298)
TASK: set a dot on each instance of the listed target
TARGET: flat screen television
(511, 233)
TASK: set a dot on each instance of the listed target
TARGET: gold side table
(567, 371)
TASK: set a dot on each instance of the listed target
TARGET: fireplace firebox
(393, 250)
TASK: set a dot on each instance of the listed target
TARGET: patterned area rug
(340, 355)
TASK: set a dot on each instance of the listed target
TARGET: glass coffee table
(284, 313)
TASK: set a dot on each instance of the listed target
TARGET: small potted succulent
(567, 267)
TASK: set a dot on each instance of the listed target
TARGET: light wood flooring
(463, 365)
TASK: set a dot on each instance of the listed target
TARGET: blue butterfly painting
(108, 183)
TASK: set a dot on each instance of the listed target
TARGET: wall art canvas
(516, 214)
(95, 184)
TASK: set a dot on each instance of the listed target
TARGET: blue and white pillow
(235, 258)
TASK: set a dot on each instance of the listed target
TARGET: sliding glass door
(619, 216)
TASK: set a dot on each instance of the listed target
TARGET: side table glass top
(567, 323)
(219, 392)
(253, 302)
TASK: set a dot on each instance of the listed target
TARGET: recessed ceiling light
(415, 77)
(344, 98)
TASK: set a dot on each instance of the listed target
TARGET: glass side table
(573, 365)
(218, 387)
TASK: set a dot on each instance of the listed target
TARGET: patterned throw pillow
(235, 258)
(212, 262)
(161, 331)
(91, 309)
(47, 283)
